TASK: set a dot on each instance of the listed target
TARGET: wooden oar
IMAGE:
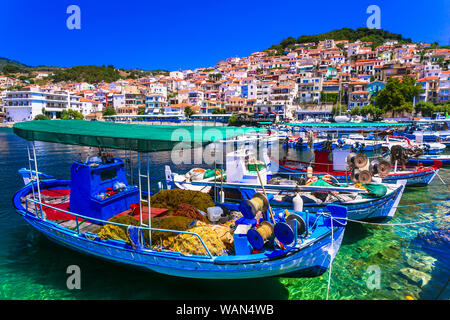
(264, 191)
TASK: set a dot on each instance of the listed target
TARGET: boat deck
(60, 199)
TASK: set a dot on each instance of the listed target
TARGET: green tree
(41, 117)
(91, 74)
(9, 68)
(424, 108)
(109, 111)
(219, 111)
(339, 109)
(410, 88)
(71, 115)
(329, 97)
(391, 96)
(407, 106)
(398, 95)
(215, 76)
(188, 112)
(355, 111)
(232, 120)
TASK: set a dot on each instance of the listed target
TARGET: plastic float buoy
(249, 208)
(297, 202)
(257, 237)
(361, 176)
(381, 167)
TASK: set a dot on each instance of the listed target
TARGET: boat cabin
(99, 188)
(241, 167)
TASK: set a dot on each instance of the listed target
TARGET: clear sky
(172, 35)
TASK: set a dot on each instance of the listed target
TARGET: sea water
(374, 262)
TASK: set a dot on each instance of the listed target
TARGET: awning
(137, 137)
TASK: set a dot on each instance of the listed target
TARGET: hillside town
(301, 83)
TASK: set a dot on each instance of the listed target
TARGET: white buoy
(297, 201)
(309, 172)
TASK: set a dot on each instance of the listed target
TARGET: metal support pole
(31, 172)
(148, 203)
(37, 180)
(140, 188)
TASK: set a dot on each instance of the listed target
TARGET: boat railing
(84, 218)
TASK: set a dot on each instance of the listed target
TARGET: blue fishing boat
(241, 181)
(413, 175)
(29, 176)
(269, 242)
(430, 159)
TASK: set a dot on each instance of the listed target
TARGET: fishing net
(171, 199)
(111, 231)
(186, 210)
(191, 245)
(216, 238)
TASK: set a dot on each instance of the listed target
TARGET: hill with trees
(11, 63)
(87, 73)
(376, 36)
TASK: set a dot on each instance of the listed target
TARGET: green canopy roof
(137, 137)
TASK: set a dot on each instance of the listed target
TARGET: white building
(26, 104)
(176, 75)
(88, 106)
(118, 101)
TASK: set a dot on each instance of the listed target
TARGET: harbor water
(374, 261)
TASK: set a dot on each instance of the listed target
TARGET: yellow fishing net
(216, 238)
(111, 231)
(171, 199)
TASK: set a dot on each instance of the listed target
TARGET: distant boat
(429, 159)
(412, 175)
(341, 119)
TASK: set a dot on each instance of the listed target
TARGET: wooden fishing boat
(69, 211)
(431, 148)
(413, 175)
(429, 159)
(239, 182)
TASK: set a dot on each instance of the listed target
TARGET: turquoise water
(32, 267)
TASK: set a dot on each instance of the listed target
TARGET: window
(108, 174)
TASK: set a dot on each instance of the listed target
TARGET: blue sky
(172, 35)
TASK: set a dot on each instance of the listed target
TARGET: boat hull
(370, 210)
(310, 259)
(430, 160)
(309, 262)
(416, 178)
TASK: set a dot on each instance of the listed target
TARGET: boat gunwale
(232, 260)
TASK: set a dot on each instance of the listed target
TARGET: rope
(443, 289)
(387, 224)
(421, 204)
(331, 264)
(439, 177)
